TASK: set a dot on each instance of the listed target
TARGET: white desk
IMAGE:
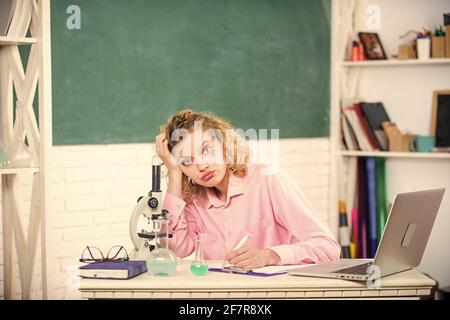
(410, 284)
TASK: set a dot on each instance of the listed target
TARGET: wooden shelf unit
(346, 77)
(388, 154)
(7, 170)
(395, 63)
(16, 41)
(21, 84)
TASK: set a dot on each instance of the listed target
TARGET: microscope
(150, 208)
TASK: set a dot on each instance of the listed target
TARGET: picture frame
(440, 118)
(373, 48)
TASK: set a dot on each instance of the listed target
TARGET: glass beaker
(199, 267)
(162, 261)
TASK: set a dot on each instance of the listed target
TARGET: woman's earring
(191, 182)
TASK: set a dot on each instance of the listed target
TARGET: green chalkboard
(260, 64)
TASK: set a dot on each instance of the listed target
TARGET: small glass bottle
(199, 267)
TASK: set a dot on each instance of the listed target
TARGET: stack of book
(368, 213)
(362, 125)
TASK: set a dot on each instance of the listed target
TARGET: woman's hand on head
(162, 150)
(248, 257)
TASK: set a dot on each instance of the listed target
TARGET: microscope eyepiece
(156, 178)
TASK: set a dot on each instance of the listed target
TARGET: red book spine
(369, 134)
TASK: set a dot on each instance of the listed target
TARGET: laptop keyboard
(359, 269)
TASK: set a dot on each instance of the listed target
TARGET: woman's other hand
(248, 257)
(162, 150)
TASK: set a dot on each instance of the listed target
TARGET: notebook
(113, 270)
(376, 114)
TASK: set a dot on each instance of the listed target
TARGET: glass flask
(199, 267)
(162, 261)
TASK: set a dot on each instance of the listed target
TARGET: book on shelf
(365, 126)
(350, 187)
(362, 206)
(348, 108)
(113, 269)
(380, 169)
(371, 207)
(376, 114)
(351, 200)
(348, 134)
(365, 120)
(370, 211)
(354, 238)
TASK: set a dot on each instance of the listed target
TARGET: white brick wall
(95, 187)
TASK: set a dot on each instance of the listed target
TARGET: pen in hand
(240, 243)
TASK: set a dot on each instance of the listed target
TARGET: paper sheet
(275, 269)
(268, 269)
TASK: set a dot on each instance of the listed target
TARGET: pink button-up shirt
(270, 207)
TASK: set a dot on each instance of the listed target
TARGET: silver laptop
(402, 244)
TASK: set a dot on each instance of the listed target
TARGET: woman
(215, 193)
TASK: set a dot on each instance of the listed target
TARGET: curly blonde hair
(237, 154)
